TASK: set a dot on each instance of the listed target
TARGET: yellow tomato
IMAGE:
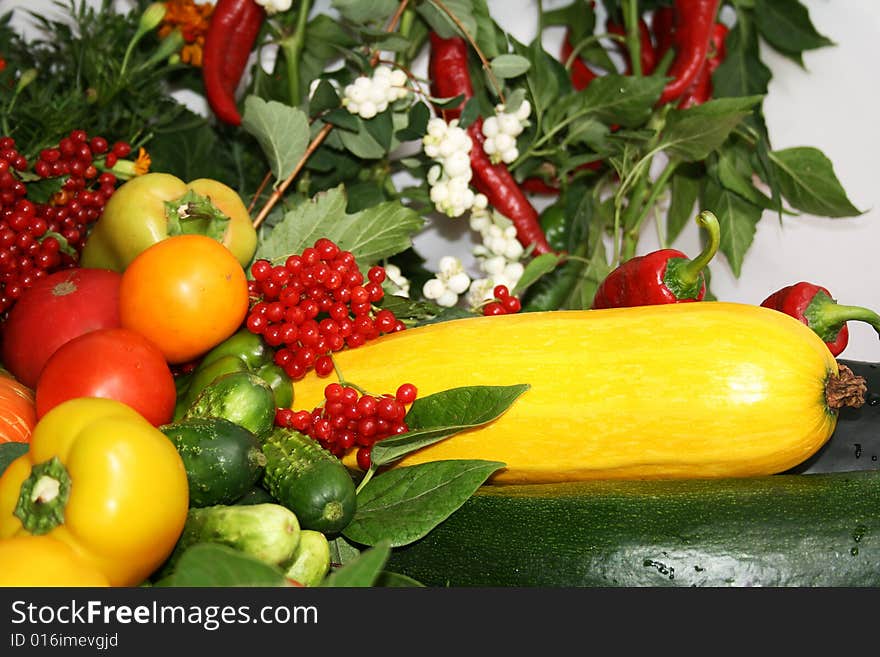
(103, 480)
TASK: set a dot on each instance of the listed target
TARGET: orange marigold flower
(142, 162)
(193, 19)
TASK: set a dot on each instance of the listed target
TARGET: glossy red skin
(794, 299)
(229, 41)
(450, 78)
(692, 33)
(113, 363)
(56, 309)
(701, 88)
(640, 282)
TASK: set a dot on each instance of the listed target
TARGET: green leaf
(807, 181)
(417, 124)
(535, 269)
(509, 66)
(623, 99)
(440, 22)
(436, 417)
(691, 134)
(365, 11)
(396, 580)
(211, 564)
(738, 220)
(786, 26)
(381, 128)
(342, 118)
(362, 571)
(403, 504)
(742, 73)
(371, 235)
(685, 190)
(362, 143)
(324, 99)
(281, 130)
(733, 169)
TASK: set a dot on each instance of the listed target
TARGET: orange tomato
(186, 293)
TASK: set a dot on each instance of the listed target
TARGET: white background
(833, 104)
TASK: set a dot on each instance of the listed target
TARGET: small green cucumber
(308, 480)
(241, 397)
(268, 532)
(311, 561)
(222, 459)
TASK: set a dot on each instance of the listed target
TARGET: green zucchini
(222, 459)
(790, 530)
(308, 480)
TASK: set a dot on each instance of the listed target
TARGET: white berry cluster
(367, 96)
(450, 146)
(502, 130)
(498, 256)
(451, 281)
(396, 284)
(275, 6)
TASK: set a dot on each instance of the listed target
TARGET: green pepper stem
(689, 273)
(827, 317)
(43, 497)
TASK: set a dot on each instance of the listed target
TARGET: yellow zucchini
(708, 389)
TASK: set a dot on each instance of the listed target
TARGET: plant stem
(633, 41)
(292, 46)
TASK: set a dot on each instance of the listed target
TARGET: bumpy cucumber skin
(816, 530)
(241, 397)
(309, 481)
(222, 459)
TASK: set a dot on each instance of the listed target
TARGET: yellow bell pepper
(43, 561)
(102, 479)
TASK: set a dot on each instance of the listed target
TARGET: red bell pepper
(812, 304)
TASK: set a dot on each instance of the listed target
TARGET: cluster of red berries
(504, 304)
(316, 303)
(41, 235)
(349, 419)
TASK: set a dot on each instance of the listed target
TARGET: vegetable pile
(252, 377)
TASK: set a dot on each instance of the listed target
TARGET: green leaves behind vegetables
(281, 130)
(372, 234)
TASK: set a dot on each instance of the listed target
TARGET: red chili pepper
(448, 68)
(647, 55)
(229, 40)
(581, 74)
(691, 36)
(812, 304)
(660, 277)
(663, 27)
(701, 89)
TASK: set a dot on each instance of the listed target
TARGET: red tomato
(57, 308)
(114, 363)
